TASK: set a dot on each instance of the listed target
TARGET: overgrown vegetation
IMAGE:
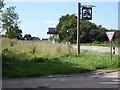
(37, 58)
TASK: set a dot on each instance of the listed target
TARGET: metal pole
(110, 51)
(67, 37)
(78, 29)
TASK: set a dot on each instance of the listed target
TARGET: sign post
(110, 51)
(110, 35)
(86, 15)
(78, 29)
(53, 31)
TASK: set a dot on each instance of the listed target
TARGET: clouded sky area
(37, 17)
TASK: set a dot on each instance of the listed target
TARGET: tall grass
(37, 48)
(36, 58)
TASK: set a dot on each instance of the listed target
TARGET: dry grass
(37, 48)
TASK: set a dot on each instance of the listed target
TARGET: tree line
(89, 32)
(10, 24)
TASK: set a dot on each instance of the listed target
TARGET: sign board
(110, 35)
(87, 13)
(52, 31)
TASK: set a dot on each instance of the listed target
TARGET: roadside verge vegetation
(38, 58)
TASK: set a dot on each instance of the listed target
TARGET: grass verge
(27, 62)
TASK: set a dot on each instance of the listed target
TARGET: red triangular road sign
(110, 35)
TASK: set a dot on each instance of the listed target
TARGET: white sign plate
(110, 35)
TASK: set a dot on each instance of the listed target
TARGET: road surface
(105, 80)
(99, 48)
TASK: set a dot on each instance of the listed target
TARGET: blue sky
(37, 17)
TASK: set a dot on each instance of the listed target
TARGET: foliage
(117, 37)
(1, 5)
(28, 37)
(52, 37)
(98, 35)
(90, 32)
(35, 38)
(10, 23)
(67, 22)
(38, 58)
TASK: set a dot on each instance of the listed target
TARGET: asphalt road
(105, 80)
(100, 48)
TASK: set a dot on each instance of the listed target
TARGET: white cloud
(50, 22)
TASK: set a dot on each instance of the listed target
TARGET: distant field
(38, 58)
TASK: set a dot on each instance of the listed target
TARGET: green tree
(117, 37)
(67, 22)
(19, 36)
(90, 32)
(1, 5)
(28, 37)
(35, 38)
(10, 23)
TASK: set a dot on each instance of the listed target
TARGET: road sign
(110, 35)
(52, 31)
(87, 13)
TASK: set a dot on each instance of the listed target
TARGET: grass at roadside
(25, 58)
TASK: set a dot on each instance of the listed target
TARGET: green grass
(114, 44)
(21, 59)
